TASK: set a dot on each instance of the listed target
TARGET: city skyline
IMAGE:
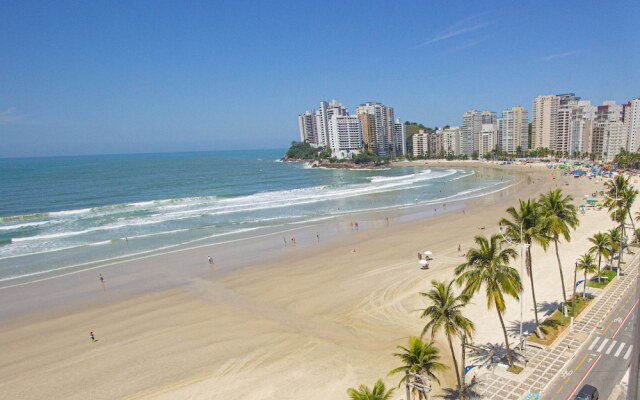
(102, 78)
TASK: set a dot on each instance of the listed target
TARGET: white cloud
(559, 55)
(461, 27)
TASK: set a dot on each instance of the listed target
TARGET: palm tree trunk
(455, 362)
(506, 339)
(631, 218)
(564, 292)
(533, 290)
(599, 260)
(584, 290)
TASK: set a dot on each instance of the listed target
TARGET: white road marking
(594, 343)
(610, 347)
(604, 343)
(620, 349)
(628, 353)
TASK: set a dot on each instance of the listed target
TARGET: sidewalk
(544, 365)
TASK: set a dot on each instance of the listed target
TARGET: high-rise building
(385, 138)
(345, 132)
(581, 117)
(368, 122)
(609, 132)
(513, 130)
(420, 143)
(488, 135)
(451, 139)
(545, 115)
(308, 130)
(323, 117)
(399, 140)
(632, 123)
(472, 121)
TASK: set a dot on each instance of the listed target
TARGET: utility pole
(406, 384)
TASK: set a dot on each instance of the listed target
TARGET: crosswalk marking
(611, 347)
(619, 349)
(628, 353)
(594, 343)
(604, 343)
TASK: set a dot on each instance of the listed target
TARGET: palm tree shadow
(527, 326)
(452, 394)
(548, 308)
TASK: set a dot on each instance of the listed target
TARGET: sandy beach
(304, 322)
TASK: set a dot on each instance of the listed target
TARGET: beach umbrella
(423, 263)
(428, 253)
(592, 201)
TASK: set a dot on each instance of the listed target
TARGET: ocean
(61, 212)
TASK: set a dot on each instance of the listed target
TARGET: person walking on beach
(126, 239)
(101, 279)
(210, 260)
(293, 240)
(285, 241)
(93, 338)
(458, 247)
(356, 225)
(318, 237)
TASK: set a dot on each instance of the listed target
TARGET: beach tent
(592, 201)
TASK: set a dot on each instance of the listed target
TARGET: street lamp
(523, 247)
(418, 383)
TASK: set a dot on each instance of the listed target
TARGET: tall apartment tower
(487, 141)
(345, 133)
(399, 142)
(513, 130)
(451, 140)
(581, 117)
(609, 133)
(385, 141)
(632, 122)
(420, 143)
(545, 113)
(472, 121)
(323, 118)
(307, 126)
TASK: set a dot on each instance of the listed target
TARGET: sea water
(64, 211)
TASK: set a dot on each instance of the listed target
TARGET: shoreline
(351, 308)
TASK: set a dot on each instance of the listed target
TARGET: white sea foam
(25, 225)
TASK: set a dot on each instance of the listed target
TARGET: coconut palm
(488, 266)
(587, 264)
(559, 215)
(420, 358)
(629, 195)
(614, 240)
(527, 217)
(379, 392)
(445, 314)
(602, 246)
(615, 188)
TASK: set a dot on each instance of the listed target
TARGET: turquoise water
(62, 211)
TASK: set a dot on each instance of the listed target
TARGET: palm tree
(614, 238)
(488, 266)
(379, 392)
(587, 264)
(601, 245)
(629, 195)
(558, 216)
(528, 218)
(420, 358)
(615, 188)
(445, 313)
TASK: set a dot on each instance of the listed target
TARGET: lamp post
(418, 383)
(523, 247)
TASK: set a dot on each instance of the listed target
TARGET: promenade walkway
(545, 364)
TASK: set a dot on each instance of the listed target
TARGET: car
(587, 392)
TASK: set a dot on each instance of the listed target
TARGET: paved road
(604, 358)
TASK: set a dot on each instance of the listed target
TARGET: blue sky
(121, 77)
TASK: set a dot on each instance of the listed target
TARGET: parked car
(587, 392)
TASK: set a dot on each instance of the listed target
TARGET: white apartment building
(581, 117)
(451, 140)
(513, 130)
(386, 141)
(345, 132)
(420, 143)
(323, 118)
(607, 139)
(307, 126)
(632, 122)
(488, 134)
(545, 113)
(472, 121)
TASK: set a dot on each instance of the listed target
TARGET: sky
(104, 77)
